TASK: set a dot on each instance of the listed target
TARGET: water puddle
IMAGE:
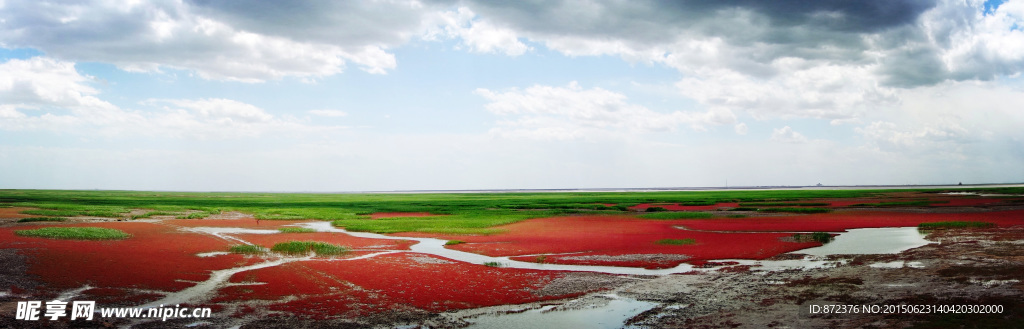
(612, 314)
(222, 232)
(897, 264)
(870, 241)
(212, 254)
(979, 194)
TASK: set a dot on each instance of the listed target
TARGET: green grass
(796, 210)
(42, 219)
(736, 216)
(154, 213)
(304, 247)
(462, 213)
(75, 233)
(492, 264)
(822, 237)
(247, 249)
(676, 242)
(954, 224)
(454, 242)
(296, 230)
(677, 215)
(655, 209)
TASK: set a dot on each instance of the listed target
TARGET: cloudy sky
(403, 95)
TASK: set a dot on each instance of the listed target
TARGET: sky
(384, 95)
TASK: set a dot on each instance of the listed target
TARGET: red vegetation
(617, 236)
(340, 288)
(156, 257)
(841, 221)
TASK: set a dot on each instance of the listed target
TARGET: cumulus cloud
(39, 82)
(44, 94)
(787, 135)
(573, 112)
(741, 128)
(823, 59)
(477, 34)
(146, 36)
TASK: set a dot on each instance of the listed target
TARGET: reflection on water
(612, 314)
(870, 241)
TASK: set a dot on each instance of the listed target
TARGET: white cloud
(741, 128)
(39, 81)
(787, 135)
(477, 34)
(150, 35)
(328, 113)
(573, 112)
(43, 94)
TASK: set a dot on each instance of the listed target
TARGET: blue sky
(401, 95)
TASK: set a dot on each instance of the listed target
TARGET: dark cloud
(337, 22)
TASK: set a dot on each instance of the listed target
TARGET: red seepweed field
(378, 276)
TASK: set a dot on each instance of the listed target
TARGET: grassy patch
(822, 237)
(247, 249)
(676, 242)
(463, 213)
(954, 224)
(492, 264)
(153, 213)
(677, 215)
(454, 242)
(304, 247)
(796, 210)
(42, 219)
(736, 216)
(296, 230)
(655, 209)
(75, 233)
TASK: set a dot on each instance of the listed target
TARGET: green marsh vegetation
(822, 237)
(454, 242)
(458, 213)
(154, 213)
(249, 249)
(75, 233)
(304, 247)
(676, 242)
(492, 264)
